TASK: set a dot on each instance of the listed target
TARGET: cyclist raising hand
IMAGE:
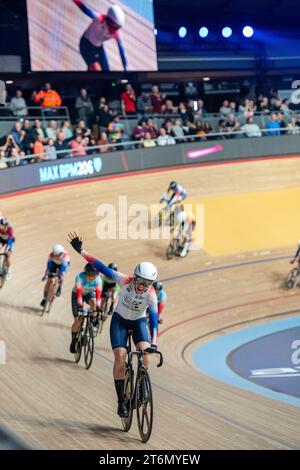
(136, 296)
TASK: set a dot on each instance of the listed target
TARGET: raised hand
(75, 241)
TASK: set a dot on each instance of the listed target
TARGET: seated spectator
(103, 141)
(139, 130)
(200, 110)
(284, 108)
(128, 100)
(177, 130)
(247, 108)
(48, 98)
(190, 111)
(168, 107)
(18, 105)
(51, 130)
(78, 145)
(105, 116)
(144, 103)
(15, 157)
(293, 128)
(3, 164)
(232, 106)
(84, 107)
(156, 99)
(251, 129)
(225, 109)
(199, 129)
(232, 124)
(51, 150)
(207, 128)
(115, 130)
(282, 123)
(274, 98)
(66, 130)
(148, 142)
(38, 131)
(164, 138)
(151, 127)
(273, 125)
(264, 106)
(82, 129)
(168, 125)
(62, 146)
(18, 134)
(27, 144)
(183, 112)
(39, 149)
(222, 129)
(9, 146)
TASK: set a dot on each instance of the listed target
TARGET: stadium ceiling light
(182, 32)
(206, 79)
(203, 32)
(9, 82)
(226, 32)
(155, 32)
(248, 31)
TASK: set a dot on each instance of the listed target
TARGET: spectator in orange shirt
(48, 98)
(38, 148)
(128, 100)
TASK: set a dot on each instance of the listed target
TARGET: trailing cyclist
(7, 239)
(175, 194)
(110, 290)
(161, 299)
(186, 225)
(58, 264)
(88, 286)
(136, 296)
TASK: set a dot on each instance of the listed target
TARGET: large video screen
(91, 35)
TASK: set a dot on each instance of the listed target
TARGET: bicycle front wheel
(128, 393)
(88, 345)
(144, 404)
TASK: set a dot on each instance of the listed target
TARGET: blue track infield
(264, 359)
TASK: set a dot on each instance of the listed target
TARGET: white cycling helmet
(146, 271)
(181, 217)
(58, 250)
(116, 15)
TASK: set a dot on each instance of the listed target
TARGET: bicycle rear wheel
(128, 392)
(144, 404)
(88, 344)
(171, 250)
(78, 346)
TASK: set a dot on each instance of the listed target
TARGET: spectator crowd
(160, 122)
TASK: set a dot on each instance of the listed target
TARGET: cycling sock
(119, 385)
(73, 335)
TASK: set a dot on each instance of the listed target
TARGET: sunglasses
(112, 24)
(143, 282)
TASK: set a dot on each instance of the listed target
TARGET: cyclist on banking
(186, 224)
(58, 263)
(161, 299)
(7, 239)
(88, 286)
(112, 288)
(102, 28)
(297, 255)
(175, 194)
(136, 296)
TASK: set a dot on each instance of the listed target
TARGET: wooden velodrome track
(54, 404)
